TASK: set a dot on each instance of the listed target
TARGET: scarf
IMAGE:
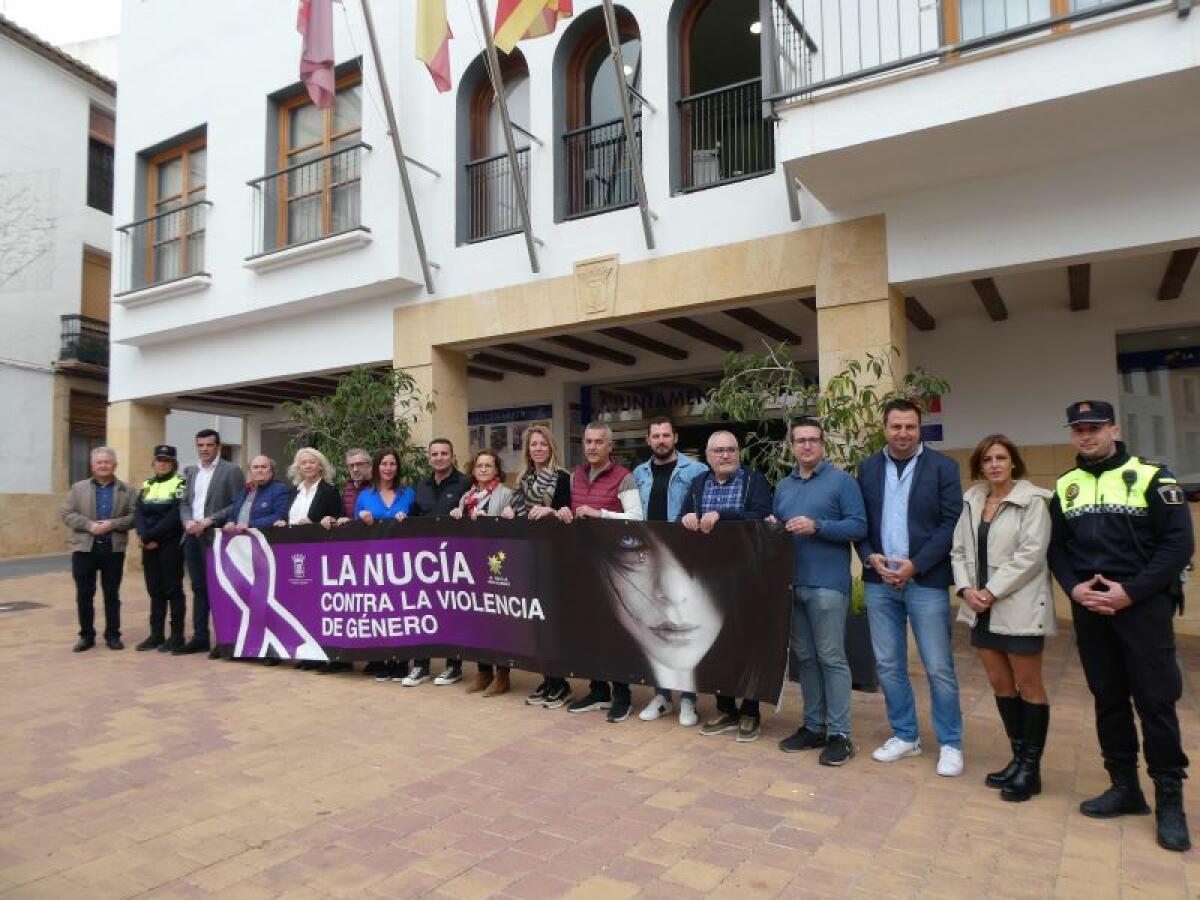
(478, 496)
(535, 489)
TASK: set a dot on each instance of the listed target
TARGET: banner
(639, 602)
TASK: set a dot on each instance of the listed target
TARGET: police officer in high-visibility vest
(156, 518)
(1122, 537)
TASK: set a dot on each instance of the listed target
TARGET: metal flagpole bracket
(635, 156)
(394, 133)
(510, 146)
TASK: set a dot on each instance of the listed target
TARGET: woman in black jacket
(156, 518)
(314, 499)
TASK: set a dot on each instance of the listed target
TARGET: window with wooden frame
(101, 133)
(492, 205)
(175, 223)
(317, 190)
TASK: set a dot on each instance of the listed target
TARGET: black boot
(1027, 780)
(151, 643)
(1168, 810)
(1012, 714)
(1124, 798)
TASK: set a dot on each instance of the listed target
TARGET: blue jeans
(819, 644)
(929, 611)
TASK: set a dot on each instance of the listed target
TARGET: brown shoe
(479, 682)
(499, 685)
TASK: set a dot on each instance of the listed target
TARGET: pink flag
(315, 23)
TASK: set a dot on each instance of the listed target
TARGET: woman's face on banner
(672, 615)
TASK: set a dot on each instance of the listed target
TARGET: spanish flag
(433, 41)
(517, 20)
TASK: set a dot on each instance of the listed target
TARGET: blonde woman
(314, 499)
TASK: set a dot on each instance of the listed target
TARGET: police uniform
(156, 517)
(1126, 518)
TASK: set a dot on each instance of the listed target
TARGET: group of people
(1115, 533)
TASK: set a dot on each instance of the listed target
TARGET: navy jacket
(272, 504)
(756, 499)
(934, 505)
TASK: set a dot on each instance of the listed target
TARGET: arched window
(487, 197)
(720, 131)
(595, 169)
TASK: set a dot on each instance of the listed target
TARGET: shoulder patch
(1172, 494)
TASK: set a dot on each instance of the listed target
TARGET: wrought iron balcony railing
(84, 340)
(600, 174)
(309, 200)
(725, 136)
(163, 247)
(492, 209)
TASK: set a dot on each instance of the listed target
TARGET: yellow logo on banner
(496, 563)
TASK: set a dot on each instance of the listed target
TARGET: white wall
(182, 425)
(27, 441)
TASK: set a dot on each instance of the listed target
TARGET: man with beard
(1122, 537)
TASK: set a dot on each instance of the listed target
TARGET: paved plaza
(138, 774)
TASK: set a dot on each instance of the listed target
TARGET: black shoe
(595, 699)
(195, 645)
(619, 711)
(1168, 811)
(171, 644)
(1123, 798)
(1027, 780)
(537, 697)
(214, 653)
(803, 739)
(83, 644)
(114, 643)
(337, 666)
(151, 643)
(838, 751)
(271, 661)
(1012, 714)
(557, 695)
(373, 667)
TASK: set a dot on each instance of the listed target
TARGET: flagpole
(394, 131)
(510, 146)
(635, 156)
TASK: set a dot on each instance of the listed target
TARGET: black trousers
(163, 568)
(85, 567)
(1129, 661)
(729, 706)
(619, 689)
(194, 549)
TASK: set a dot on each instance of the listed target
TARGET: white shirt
(200, 491)
(304, 499)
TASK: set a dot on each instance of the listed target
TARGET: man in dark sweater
(436, 495)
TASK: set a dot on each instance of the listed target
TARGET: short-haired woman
(543, 490)
(1001, 574)
(487, 496)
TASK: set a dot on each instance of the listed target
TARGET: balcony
(725, 136)
(165, 248)
(600, 175)
(309, 201)
(84, 345)
(492, 207)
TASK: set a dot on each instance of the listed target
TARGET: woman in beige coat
(1003, 579)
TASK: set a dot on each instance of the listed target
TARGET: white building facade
(1004, 193)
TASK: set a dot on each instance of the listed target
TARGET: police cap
(1095, 412)
(165, 451)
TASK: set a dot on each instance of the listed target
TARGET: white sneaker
(417, 675)
(950, 762)
(449, 675)
(894, 748)
(687, 713)
(658, 707)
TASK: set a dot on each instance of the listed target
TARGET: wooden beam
(703, 333)
(989, 294)
(918, 315)
(1178, 270)
(752, 318)
(809, 303)
(215, 397)
(1079, 286)
(579, 345)
(552, 359)
(508, 365)
(484, 374)
(643, 342)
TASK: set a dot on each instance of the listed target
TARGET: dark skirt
(984, 639)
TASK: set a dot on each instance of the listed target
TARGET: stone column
(134, 430)
(439, 372)
(858, 312)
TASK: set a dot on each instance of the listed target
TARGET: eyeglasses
(723, 451)
(805, 441)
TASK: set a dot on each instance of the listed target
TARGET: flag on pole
(315, 23)
(433, 41)
(517, 20)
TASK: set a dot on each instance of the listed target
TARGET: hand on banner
(400, 516)
(234, 528)
(540, 512)
(369, 519)
(565, 515)
(691, 522)
(281, 523)
(507, 513)
(801, 525)
(329, 521)
(588, 512)
(709, 521)
(455, 513)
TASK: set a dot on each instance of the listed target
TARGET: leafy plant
(370, 408)
(768, 387)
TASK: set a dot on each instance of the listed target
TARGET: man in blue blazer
(913, 497)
